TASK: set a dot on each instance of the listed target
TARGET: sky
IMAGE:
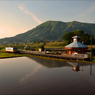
(18, 17)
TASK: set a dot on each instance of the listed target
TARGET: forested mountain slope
(50, 30)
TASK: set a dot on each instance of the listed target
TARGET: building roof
(76, 45)
(75, 64)
(76, 37)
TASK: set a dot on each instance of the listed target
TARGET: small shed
(26, 47)
(40, 49)
(76, 47)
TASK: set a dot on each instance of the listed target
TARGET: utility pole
(90, 69)
(91, 49)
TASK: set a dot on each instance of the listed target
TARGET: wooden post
(67, 51)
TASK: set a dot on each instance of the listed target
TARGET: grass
(8, 55)
(36, 45)
(54, 45)
(93, 46)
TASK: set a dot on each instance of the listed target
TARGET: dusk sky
(20, 16)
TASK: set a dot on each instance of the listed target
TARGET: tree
(42, 47)
(68, 37)
(85, 37)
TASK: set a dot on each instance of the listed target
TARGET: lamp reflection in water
(76, 66)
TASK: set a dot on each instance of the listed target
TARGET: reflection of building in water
(75, 66)
(57, 64)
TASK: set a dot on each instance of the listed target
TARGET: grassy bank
(8, 55)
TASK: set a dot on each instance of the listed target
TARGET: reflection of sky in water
(31, 74)
(23, 75)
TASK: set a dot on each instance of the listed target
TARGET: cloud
(27, 12)
(31, 74)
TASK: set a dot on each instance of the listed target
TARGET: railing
(30, 51)
(80, 55)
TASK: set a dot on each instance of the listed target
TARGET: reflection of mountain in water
(51, 63)
(54, 64)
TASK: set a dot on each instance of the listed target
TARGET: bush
(66, 43)
(42, 47)
(56, 52)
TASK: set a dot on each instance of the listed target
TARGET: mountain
(50, 30)
(50, 63)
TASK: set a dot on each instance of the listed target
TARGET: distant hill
(50, 30)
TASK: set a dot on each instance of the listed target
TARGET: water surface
(24, 75)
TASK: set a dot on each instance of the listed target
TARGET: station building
(76, 47)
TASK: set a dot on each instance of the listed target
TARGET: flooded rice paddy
(24, 75)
